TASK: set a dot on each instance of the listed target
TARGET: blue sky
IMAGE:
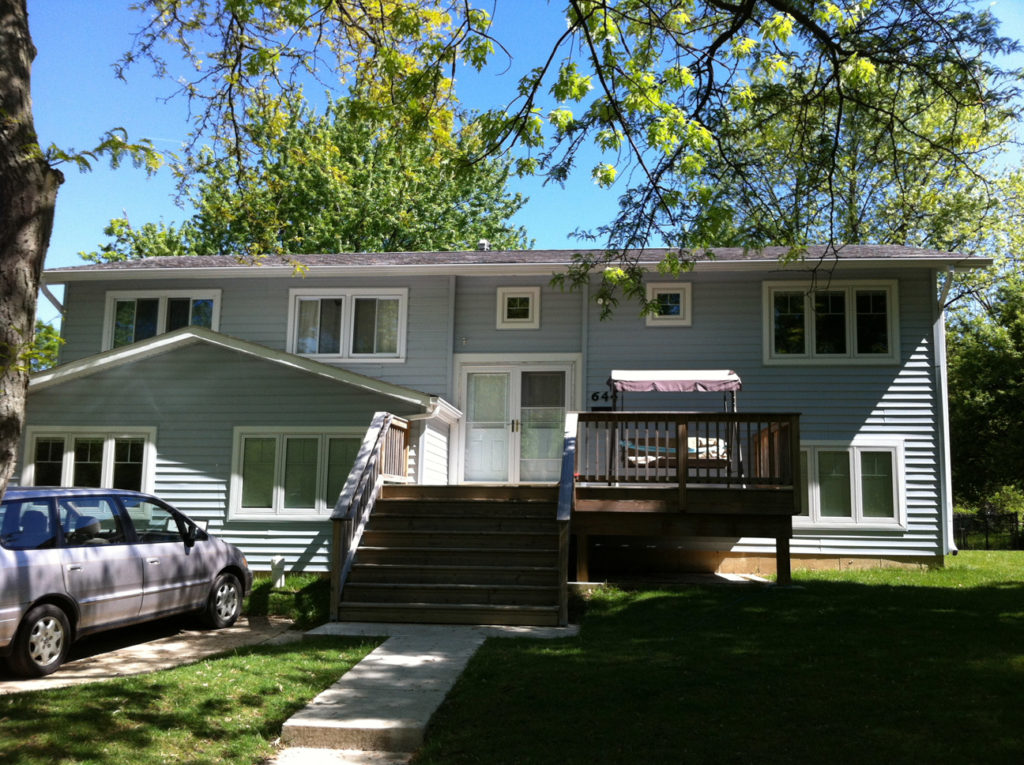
(76, 97)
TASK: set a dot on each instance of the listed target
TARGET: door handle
(153, 561)
(73, 567)
(515, 426)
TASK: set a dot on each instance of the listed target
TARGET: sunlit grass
(224, 710)
(886, 665)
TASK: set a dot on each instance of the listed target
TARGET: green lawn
(882, 666)
(305, 599)
(225, 710)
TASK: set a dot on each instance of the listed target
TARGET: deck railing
(730, 449)
(383, 455)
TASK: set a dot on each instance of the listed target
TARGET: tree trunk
(28, 192)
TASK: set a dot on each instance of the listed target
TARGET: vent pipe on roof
(483, 245)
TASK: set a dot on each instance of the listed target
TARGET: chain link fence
(987, 531)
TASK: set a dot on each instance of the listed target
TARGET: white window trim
(347, 297)
(685, 317)
(116, 295)
(530, 322)
(813, 520)
(35, 432)
(323, 507)
(851, 357)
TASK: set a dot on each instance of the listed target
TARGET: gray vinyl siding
(476, 318)
(256, 309)
(195, 397)
(82, 323)
(836, 403)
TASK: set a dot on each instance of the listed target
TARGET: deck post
(339, 537)
(682, 460)
(582, 558)
(783, 575)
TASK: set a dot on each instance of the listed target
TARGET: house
(241, 393)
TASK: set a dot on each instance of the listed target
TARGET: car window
(27, 525)
(91, 521)
(153, 523)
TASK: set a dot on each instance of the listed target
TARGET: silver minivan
(77, 561)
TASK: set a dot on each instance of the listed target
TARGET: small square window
(672, 305)
(518, 308)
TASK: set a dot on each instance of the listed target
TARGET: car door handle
(74, 567)
(153, 561)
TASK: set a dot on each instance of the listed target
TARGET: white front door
(515, 418)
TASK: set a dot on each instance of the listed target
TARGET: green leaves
(571, 85)
(342, 181)
(115, 147)
(784, 115)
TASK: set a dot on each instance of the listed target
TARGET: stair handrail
(357, 498)
(566, 502)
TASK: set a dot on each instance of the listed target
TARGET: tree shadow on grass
(830, 672)
(225, 709)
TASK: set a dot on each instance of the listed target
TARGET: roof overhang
(187, 336)
(531, 264)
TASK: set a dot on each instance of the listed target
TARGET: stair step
(490, 540)
(383, 573)
(417, 521)
(453, 508)
(456, 556)
(499, 492)
(464, 594)
(428, 613)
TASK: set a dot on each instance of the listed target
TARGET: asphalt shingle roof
(504, 258)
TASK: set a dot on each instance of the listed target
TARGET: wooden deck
(741, 478)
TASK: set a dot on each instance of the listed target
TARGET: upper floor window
(518, 308)
(349, 324)
(134, 316)
(846, 322)
(94, 458)
(860, 483)
(672, 301)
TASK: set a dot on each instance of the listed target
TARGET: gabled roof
(187, 336)
(489, 261)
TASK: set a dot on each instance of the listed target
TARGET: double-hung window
(348, 324)
(858, 484)
(671, 304)
(134, 316)
(118, 459)
(297, 473)
(844, 322)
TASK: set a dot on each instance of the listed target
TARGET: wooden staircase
(457, 555)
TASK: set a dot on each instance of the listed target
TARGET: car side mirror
(190, 535)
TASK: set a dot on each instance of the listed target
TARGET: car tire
(224, 603)
(41, 644)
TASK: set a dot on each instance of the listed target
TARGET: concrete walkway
(377, 713)
(151, 647)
